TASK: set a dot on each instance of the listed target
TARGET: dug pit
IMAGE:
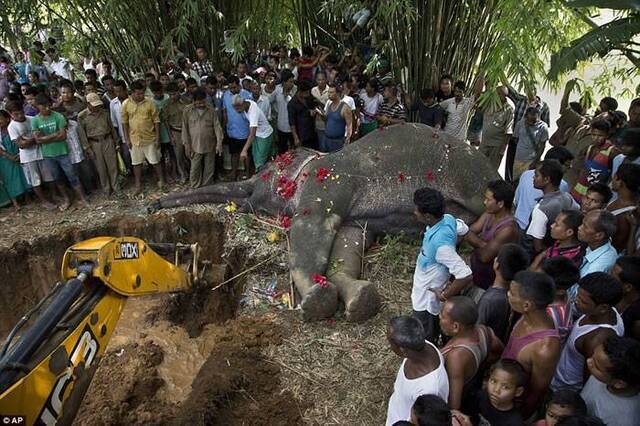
(174, 358)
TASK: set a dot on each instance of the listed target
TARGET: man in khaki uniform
(497, 128)
(141, 127)
(202, 138)
(96, 130)
(172, 115)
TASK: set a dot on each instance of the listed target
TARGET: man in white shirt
(281, 96)
(260, 139)
(457, 109)
(115, 107)
(422, 371)
(59, 66)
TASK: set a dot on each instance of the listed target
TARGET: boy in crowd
(497, 402)
(260, 139)
(626, 184)
(431, 410)
(429, 111)
(96, 130)
(598, 293)
(437, 261)
(30, 152)
(597, 197)
(598, 161)
(563, 403)
(629, 148)
(493, 308)
(612, 393)
(627, 271)
(565, 274)
(564, 232)
(534, 341)
(49, 131)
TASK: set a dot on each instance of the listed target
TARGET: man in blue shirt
(598, 226)
(235, 124)
(437, 261)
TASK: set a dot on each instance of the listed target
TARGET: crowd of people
(541, 324)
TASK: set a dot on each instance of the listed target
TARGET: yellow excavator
(45, 369)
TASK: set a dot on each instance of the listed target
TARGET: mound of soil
(124, 386)
(237, 385)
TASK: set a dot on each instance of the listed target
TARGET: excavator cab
(50, 356)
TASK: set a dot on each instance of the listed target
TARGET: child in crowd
(498, 401)
(612, 393)
(565, 274)
(33, 167)
(494, 310)
(563, 403)
(627, 271)
(431, 410)
(597, 197)
(564, 232)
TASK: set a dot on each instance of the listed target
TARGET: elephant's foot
(319, 302)
(360, 297)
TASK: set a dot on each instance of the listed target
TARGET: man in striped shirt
(391, 111)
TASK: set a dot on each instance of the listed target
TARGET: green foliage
(597, 42)
(606, 4)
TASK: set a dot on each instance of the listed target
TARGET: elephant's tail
(238, 192)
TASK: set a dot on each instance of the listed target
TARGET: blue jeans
(62, 164)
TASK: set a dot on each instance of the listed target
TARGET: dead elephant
(332, 198)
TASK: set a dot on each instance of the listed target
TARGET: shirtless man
(471, 347)
(598, 293)
(422, 371)
(534, 341)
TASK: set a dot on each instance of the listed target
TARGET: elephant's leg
(238, 192)
(311, 240)
(361, 299)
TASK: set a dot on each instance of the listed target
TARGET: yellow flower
(231, 207)
(273, 236)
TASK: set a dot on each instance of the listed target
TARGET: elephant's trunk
(238, 192)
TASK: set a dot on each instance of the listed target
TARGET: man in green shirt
(49, 131)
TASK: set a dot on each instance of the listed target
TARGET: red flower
(430, 176)
(381, 128)
(285, 221)
(266, 176)
(284, 160)
(286, 187)
(321, 280)
(322, 174)
(305, 174)
(306, 211)
(401, 177)
(331, 322)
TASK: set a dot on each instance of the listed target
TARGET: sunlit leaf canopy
(524, 42)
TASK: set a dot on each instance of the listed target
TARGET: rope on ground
(245, 271)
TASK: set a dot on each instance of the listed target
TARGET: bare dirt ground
(238, 357)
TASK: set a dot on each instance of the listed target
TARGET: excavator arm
(47, 369)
